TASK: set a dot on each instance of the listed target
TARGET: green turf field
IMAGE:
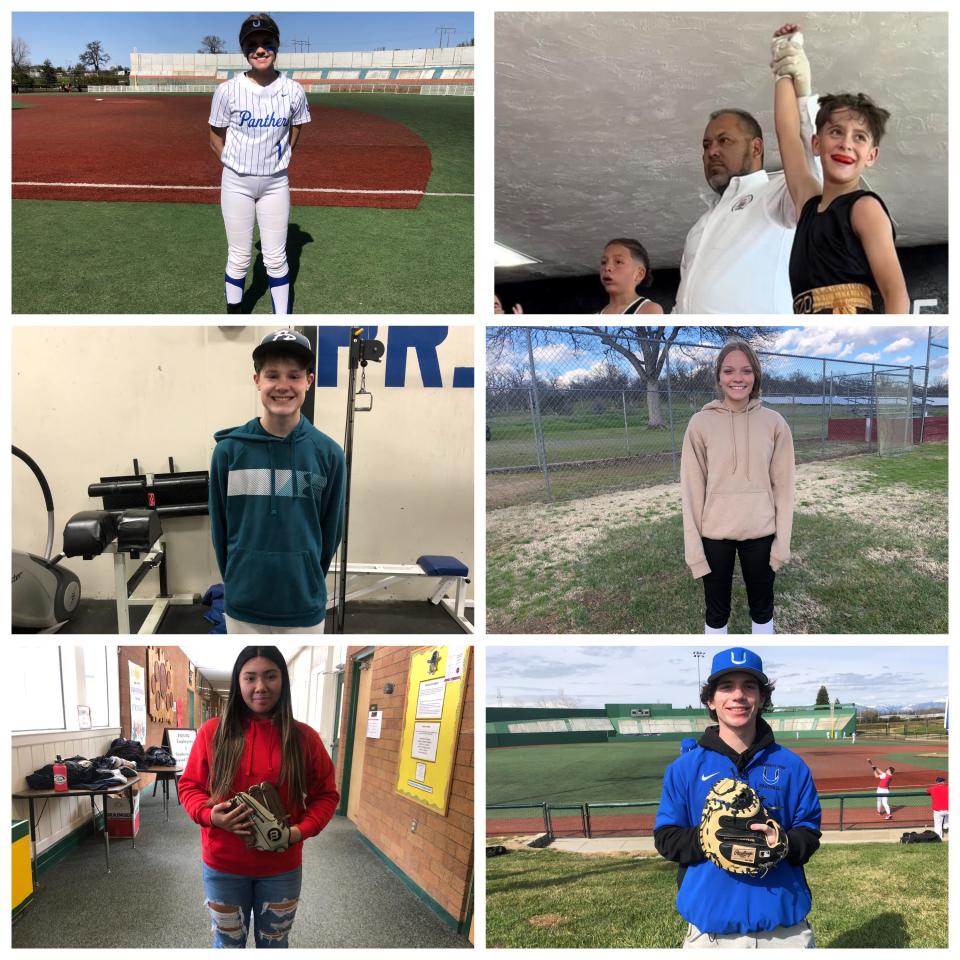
(83, 257)
(869, 543)
(879, 895)
(632, 771)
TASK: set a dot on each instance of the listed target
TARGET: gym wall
(87, 400)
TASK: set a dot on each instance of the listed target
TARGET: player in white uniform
(255, 122)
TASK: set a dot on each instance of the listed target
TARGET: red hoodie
(226, 851)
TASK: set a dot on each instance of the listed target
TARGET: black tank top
(826, 251)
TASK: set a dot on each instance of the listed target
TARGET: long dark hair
(228, 740)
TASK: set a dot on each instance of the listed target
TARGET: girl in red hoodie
(256, 740)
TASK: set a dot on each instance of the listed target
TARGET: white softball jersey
(258, 121)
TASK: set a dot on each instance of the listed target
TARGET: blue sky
(61, 37)
(595, 675)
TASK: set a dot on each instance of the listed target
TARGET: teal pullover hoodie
(276, 518)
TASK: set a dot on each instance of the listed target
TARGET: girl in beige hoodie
(736, 479)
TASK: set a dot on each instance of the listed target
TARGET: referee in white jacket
(255, 122)
(736, 257)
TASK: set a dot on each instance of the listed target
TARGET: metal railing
(585, 810)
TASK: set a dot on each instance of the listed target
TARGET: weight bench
(123, 533)
(448, 570)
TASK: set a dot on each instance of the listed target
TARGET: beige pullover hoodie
(736, 480)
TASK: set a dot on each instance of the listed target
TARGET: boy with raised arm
(843, 260)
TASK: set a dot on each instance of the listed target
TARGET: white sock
(762, 627)
(280, 293)
(233, 288)
(708, 629)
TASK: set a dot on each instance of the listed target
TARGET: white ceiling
(215, 659)
(599, 118)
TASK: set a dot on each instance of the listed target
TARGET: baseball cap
(737, 658)
(940, 780)
(288, 342)
(259, 23)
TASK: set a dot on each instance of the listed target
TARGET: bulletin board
(436, 690)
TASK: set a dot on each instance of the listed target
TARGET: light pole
(698, 655)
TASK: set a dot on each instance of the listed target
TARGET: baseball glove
(268, 818)
(729, 811)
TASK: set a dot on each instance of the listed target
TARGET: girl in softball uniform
(624, 268)
(737, 479)
(255, 740)
(255, 122)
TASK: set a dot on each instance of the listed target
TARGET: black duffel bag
(922, 836)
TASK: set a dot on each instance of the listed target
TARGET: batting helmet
(259, 23)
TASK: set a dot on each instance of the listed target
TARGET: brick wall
(439, 856)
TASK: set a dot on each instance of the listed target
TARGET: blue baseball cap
(737, 659)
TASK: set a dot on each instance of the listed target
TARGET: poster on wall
(138, 704)
(436, 691)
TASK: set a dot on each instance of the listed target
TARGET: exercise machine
(129, 525)
(44, 595)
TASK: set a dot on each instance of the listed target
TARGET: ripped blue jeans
(231, 899)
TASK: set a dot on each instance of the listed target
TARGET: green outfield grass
(869, 542)
(878, 895)
(87, 257)
(631, 771)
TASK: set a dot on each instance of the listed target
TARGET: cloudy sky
(893, 345)
(590, 676)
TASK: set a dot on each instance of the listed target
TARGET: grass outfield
(869, 544)
(630, 771)
(864, 895)
(88, 257)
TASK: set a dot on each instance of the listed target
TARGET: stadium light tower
(698, 655)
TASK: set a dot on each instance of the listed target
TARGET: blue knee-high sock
(233, 288)
(280, 293)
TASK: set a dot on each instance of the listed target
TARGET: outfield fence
(841, 811)
(921, 728)
(431, 89)
(579, 410)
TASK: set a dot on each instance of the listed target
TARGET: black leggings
(757, 576)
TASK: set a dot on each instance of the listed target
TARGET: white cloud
(868, 357)
(904, 359)
(899, 344)
(570, 377)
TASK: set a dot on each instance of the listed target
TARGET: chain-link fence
(571, 413)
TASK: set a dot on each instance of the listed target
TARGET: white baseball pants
(266, 201)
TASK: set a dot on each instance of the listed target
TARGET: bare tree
(94, 56)
(19, 54)
(644, 348)
(212, 44)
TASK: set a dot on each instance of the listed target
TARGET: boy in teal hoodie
(276, 500)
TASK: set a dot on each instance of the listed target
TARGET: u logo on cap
(254, 23)
(733, 658)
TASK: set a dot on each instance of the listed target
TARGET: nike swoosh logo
(710, 775)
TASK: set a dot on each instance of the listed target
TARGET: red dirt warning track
(835, 770)
(157, 149)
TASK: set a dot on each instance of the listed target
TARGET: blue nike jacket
(276, 518)
(716, 901)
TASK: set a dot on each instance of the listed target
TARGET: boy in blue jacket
(729, 909)
(276, 500)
